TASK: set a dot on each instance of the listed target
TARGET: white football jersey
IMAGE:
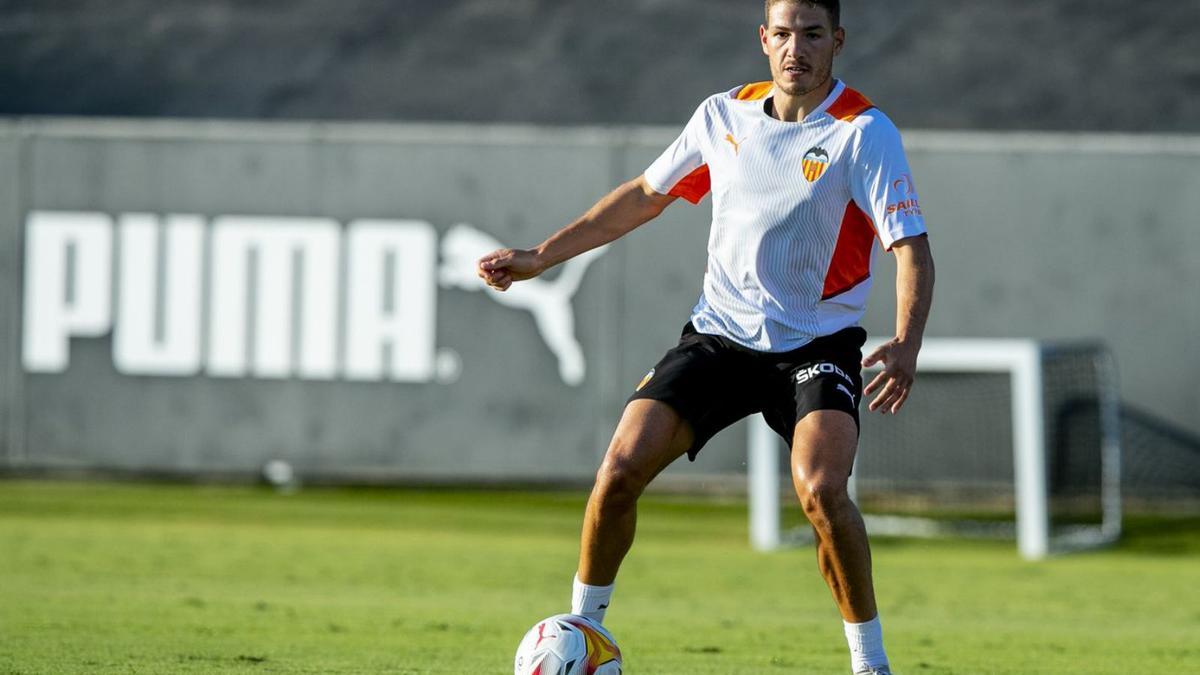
(796, 212)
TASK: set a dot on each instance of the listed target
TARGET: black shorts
(713, 382)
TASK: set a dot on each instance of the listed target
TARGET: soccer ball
(568, 644)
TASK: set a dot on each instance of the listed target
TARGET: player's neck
(789, 108)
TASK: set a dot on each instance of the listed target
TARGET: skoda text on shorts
(806, 175)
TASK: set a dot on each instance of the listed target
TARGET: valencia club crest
(816, 161)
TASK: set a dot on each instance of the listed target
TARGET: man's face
(800, 42)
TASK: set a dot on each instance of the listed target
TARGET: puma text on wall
(267, 297)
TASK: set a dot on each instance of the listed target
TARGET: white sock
(866, 644)
(590, 601)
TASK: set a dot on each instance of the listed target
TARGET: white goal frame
(1023, 361)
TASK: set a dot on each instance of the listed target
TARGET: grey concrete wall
(1035, 235)
(490, 422)
(10, 286)
(1060, 237)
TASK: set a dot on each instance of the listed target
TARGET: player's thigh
(707, 382)
(824, 443)
(650, 435)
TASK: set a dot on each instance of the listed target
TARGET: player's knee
(619, 482)
(822, 498)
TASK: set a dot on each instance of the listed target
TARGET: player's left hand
(899, 361)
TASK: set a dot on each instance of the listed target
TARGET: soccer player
(805, 174)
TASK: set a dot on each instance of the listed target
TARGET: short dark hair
(834, 7)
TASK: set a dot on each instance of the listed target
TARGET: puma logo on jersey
(736, 144)
(846, 391)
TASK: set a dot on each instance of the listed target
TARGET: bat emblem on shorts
(645, 380)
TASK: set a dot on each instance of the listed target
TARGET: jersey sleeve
(882, 183)
(680, 170)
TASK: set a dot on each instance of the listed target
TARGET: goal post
(1032, 368)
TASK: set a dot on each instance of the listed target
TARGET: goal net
(1001, 438)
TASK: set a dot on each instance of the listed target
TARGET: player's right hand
(499, 269)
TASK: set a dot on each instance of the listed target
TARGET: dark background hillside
(978, 64)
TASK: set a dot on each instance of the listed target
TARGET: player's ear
(839, 40)
(762, 38)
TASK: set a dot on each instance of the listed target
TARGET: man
(806, 174)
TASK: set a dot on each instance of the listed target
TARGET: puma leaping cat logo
(733, 142)
(549, 301)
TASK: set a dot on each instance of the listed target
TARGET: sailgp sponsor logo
(908, 204)
(808, 373)
(265, 297)
(907, 207)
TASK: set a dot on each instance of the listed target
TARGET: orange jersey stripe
(754, 91)
(851, 263)
(694, 186)
(849, 105)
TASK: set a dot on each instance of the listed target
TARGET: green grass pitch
(117, 578)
